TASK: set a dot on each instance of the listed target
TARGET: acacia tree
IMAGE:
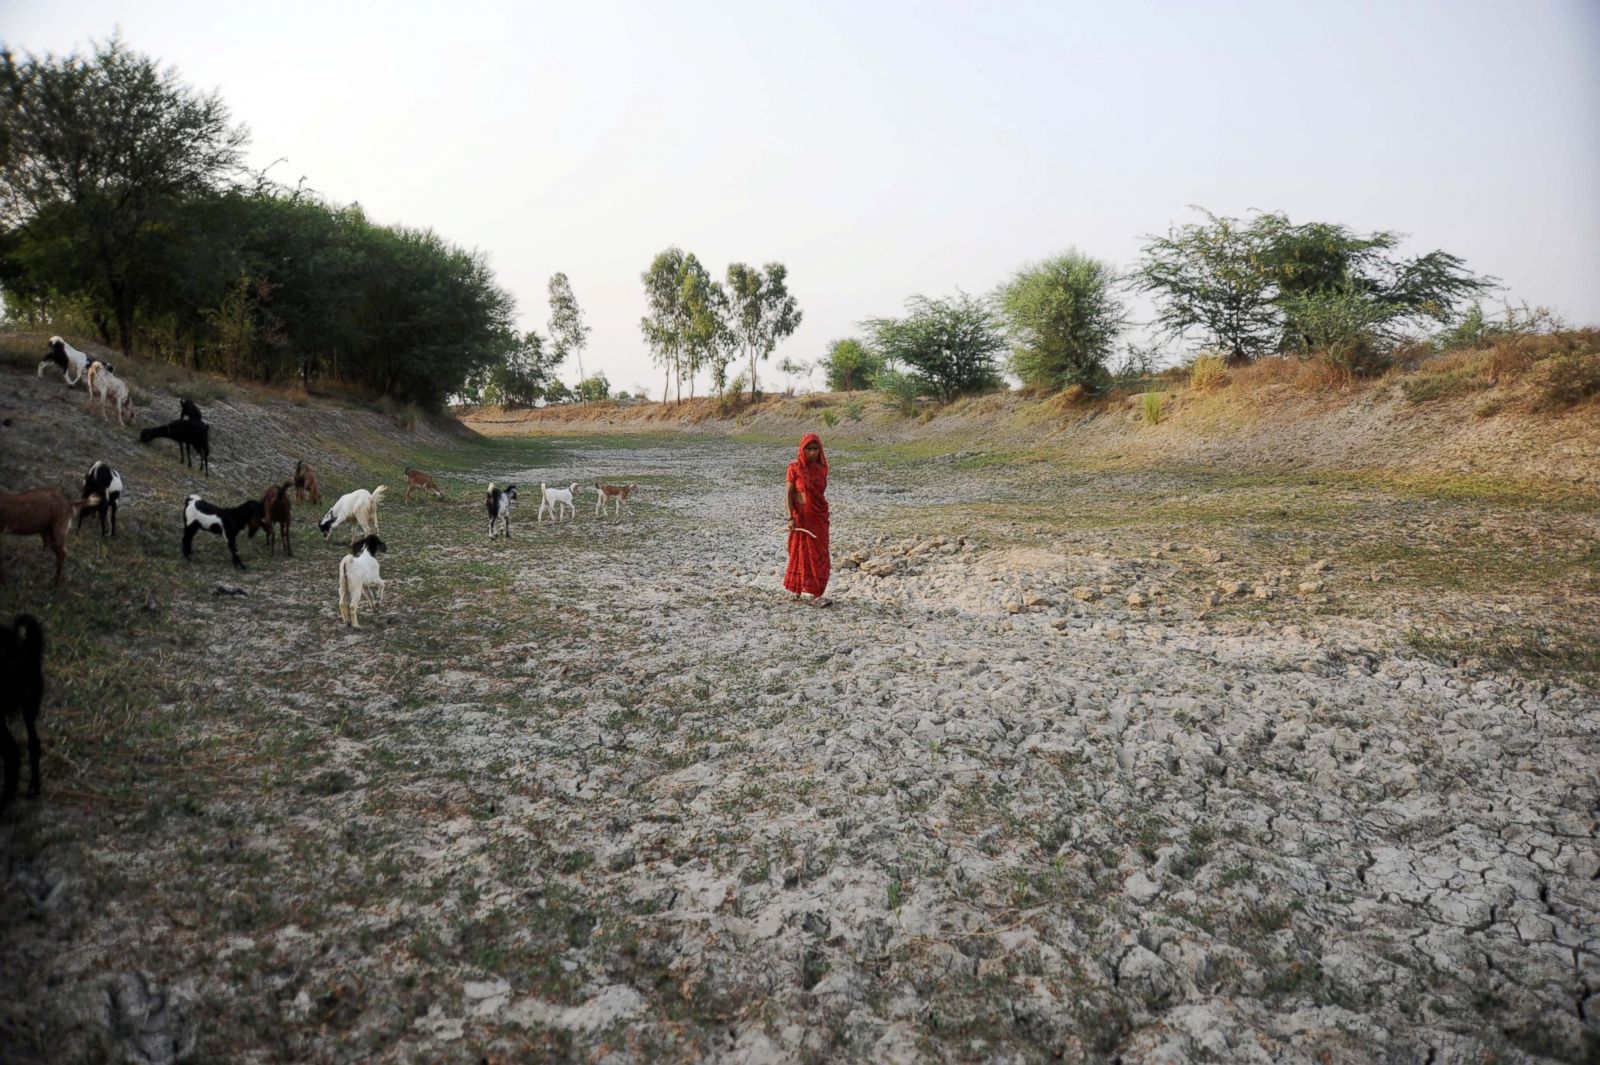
(1272, 286)
(568, 333)
(950, 345)
(106, 148)
(761, 311)
(1063, 317)
(1213, 278)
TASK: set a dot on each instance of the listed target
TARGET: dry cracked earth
(1030, 790)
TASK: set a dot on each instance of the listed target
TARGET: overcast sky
(886, 149)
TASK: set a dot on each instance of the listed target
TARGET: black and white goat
(71, 362)
(103, 481)
(226, 522)
(192, 436)
(358, 571)
(497, 501)
(21, 692)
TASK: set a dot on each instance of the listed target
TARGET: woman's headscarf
(812, 477)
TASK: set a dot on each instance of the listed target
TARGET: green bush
(900, 391)
(1565, 379)
(1062, 316)
(830, 417)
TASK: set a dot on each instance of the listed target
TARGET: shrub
(1152, 405)
(830, 417)
(900, 390)
(1062, 315)
(1207, 371)
(855, 409)
(1565, 379)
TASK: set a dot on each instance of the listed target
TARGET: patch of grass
(1547, 649)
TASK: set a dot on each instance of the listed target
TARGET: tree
(791, 367)
(664, 326)
(594, 388)
(950, 344)
(1214, 278)
(850, 365)
(100, 152)
(762, 312)
(1063, 318)
(568, 333)
(1273, 286)
(702, 307)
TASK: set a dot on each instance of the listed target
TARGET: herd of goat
(49, 513)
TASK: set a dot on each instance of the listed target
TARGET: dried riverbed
(1144, 766)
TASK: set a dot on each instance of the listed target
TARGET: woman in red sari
(808, 522)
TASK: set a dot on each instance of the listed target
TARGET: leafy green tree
(1273, 286)
(1214, 278)
(568, 333)
(1063, 317)
(950, 345)
(100, 152)
(666, 323)
(850, 365)
(594, 389)
(762, 313)
(703, 310)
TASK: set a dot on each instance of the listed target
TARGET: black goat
(497, 501)
(21, 692)
(189, 435)
(187, 411)
(227, 523)
(105, 482)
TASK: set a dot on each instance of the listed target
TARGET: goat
(46, 512)
(21, 691)
(188, 411)
(361, 505)
(190, 435)
(498, 503)
(554, 499)
(72, 362)
(275, 512)
(103, 481)
(618, 492)
(422, 482)
(358, 571)
(102, 383)
(305, 483)
(226, 522)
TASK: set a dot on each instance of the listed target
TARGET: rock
(1140, 888)
(1036, 601)
(1233, 588)
(1135, 599)
(1264, 593)
(1085, 594)
(1114, 633)
(1310, 587)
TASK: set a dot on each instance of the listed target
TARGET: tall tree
(107, 147)
(568, 333)
(951, 345)
(761, 311)
(706, 334)
(663, 327)
(1062, 316)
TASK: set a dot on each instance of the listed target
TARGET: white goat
(358, 571)
(360, 505)
(102, 383)
(553, 499)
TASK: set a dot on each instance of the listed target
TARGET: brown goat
(275, 511)
(45, 512)
(420, 481)
(305, 483)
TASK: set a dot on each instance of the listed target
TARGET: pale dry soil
(602, 793)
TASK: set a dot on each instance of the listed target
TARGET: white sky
(886, 149)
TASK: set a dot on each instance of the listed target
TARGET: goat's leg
(238, 563)
(11, 756)
(188, 539)
(288, 551)
(29, 722)
(56, 541)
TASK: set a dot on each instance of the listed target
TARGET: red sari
(808, 555)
